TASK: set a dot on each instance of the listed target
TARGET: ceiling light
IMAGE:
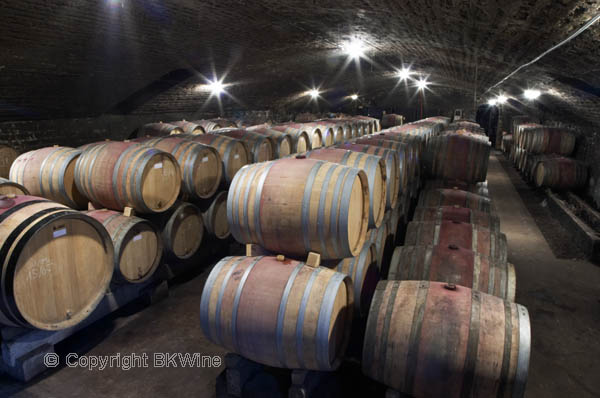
(422, 84)
(404, 73)
(501, 99)
(216, 87)
(355, 48)
(492, 102)
(354, 97)
(314, 93)
(532, 94)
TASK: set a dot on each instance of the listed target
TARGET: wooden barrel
(181, 228)
(11, 188)
(56, 263)
(458, 213)
(394, 223)
(469, 236)
(262, 148)
(215, 216)
(49, 173)
(7, 157)
(372, 165)
(138, 246)
(213, 124)
(300, 320)
(300, 138)
(200, 165)
(457, 157)
(391, 120)
(158, 130)
(481, 188)
(455, 197)
(189, 127)
(296, 205)
(364, 273)
(546, 139)
(456, 265)
(395, 168)
(378, 237)
(234, 153)
(333, 132)
(411, 151)
(283, 141)
(560, 173)
(432, 339)
(126, 174)
(403, 153)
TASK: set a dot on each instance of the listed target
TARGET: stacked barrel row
(448, 300)
(543, 155)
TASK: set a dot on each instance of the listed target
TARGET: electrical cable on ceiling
(568, 39)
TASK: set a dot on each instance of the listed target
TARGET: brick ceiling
(85, 58)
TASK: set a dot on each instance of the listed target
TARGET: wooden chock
(128, 212)
(280, 257)
(313, 259)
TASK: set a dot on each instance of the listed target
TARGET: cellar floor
(562, 297)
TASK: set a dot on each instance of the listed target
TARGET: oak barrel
(283, 141)
(372, 165)
(457, 213)
(300, 138)
(391, 120)
(546, 139)
(200, 165)
(11, 188)
(126, 174)
(234, 153)
(403, 153)
(278, 313)
(410, 149)
(332, 133)
(215, 216)
(378, 237)
(455, 197)
(158, 130)
(480, 188)
(456, 156)
(189, 127)
(181, 228)
(56, 263)
(49, 173)
(560, 173)
(432, 339)
(137, 243)
(469, 236)
(213, 124)
(296, 205)
(7, 157)
(456, 265)
(262, 148)
(395, 170)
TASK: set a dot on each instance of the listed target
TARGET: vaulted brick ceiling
(83, 58)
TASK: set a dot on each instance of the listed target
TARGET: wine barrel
(215, 216)
(560, 173)
(234, 153)
(411, 151)
(458, 157)
(262, 148)
(181, 228)
(403, 153)
(56, 263)
(481, 188)
(200, 165)
(458, 213)
(333, 132)
(213, 124)
(7, 157)
(546, 139)
(455, 197)
(126, 174)
(138, 246)
(189, 127)
(395, 168)
(283, 141)
(378, 237)
(364, 273)
(49, 173)
(11, 188)
(432, 339)
(300, 138)
(469, 236)
(300, 320)
(372, 165)
(391, 120)
(158, 130)
(297, 205)
(454, 264)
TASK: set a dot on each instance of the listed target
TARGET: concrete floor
(563, 298)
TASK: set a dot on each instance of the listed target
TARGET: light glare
(422, 84)
(354, 97)
(532, 94)
(404, 74)
(216, 87)
(501, 99)
(492, 102)
(314, 93)
(355, 48)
